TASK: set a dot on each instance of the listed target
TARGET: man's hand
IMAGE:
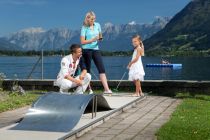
(78, 82)
(83, 74)
(81, 77)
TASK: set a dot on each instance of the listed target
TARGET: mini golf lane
(57, 116)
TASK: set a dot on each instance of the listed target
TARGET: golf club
(92, 72)
(116, 89)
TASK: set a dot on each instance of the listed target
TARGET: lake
(193, 68)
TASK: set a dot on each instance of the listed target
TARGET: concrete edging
(162, 87)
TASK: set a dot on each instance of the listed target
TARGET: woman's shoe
(109, 92)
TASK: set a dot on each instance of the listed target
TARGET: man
(165, 61)
(66, 78)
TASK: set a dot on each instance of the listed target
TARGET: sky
(16, 15)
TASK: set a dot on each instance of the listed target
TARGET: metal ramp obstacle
(56, 112)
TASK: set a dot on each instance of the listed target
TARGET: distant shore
(161, 53)
(59, 53)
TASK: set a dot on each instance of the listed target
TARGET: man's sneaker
(61, 91)
(90, 91)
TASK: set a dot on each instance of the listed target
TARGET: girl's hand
(129, 65)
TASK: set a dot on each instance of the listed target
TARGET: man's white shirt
(68, 67)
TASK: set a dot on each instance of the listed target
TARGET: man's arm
(82, 75)
(78, 82)
(64, 68)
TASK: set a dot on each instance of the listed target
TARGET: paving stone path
(138, 123)
(13, 116)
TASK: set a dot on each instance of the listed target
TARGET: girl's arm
(139, 53)
(142, 49)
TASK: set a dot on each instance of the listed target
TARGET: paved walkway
(138, 123)
(13, 116)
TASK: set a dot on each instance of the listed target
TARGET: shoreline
(149, 53)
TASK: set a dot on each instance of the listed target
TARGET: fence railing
(41, 58)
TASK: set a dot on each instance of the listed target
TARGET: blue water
(193, 68)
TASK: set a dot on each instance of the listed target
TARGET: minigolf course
(61, 110)
(58, 116)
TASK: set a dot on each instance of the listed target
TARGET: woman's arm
(84, 41)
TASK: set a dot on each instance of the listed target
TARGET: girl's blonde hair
(87, 16)
(140, 40)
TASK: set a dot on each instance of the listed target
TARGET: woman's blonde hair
(87, 16)
(140, 40)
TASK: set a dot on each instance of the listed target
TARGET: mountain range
(187, 31)
(116, 37)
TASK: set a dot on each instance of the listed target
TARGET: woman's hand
(95, 39)
(84, 41)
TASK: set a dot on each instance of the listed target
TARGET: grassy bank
(190, 121)
(10, 101)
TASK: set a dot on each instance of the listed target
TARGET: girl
(136, 69)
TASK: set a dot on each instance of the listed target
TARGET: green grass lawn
(190, 121)
(10, 101)
(13, 100)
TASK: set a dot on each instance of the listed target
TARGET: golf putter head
(116, 90)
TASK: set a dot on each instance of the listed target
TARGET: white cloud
(132, 23)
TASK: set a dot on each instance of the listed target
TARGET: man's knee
(66, 84)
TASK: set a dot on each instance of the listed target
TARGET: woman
(90, 35)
